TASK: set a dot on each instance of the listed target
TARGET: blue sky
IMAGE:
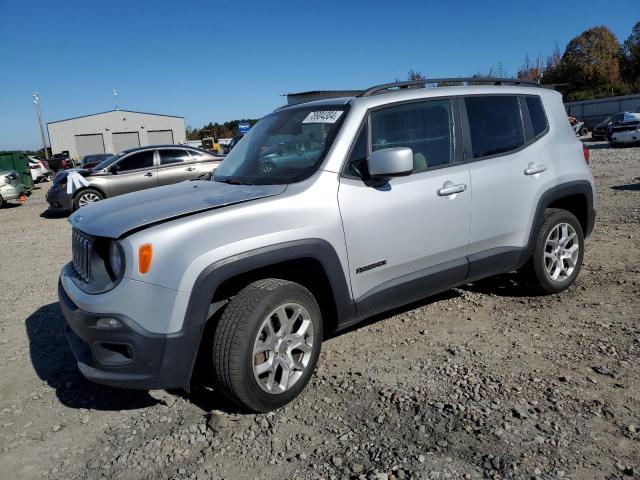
(217, 61)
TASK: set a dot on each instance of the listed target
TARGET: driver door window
(425, 127)
(136, 161)
(134, 172)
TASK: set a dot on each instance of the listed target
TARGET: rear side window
(495, 124)
(136, 161)
(168, 157)
(536, 114)
(425, 127)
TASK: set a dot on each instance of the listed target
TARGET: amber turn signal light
(145, 256)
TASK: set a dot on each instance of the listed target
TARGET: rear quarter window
(495, 124)
(536, 114)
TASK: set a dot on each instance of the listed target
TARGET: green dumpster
(19, 162)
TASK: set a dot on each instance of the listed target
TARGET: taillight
(33, 167)
(585, 152)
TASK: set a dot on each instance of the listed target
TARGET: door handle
(450, 189)
(148, 174)
(191, 169)
(532, 169)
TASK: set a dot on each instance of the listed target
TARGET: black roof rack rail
(437, 81)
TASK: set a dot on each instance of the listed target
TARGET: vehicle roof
(4, 172)
(153, 147)
(391, 96)
(320, 103)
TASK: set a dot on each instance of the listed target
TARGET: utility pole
(36, 102)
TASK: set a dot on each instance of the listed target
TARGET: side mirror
(390, 162)
(114, 169)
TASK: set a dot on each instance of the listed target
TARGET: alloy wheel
(87, 198)
(282, 348)
(561, 252)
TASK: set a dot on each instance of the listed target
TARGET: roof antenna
(115, 95)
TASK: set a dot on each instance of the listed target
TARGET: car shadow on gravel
(55, 213)
(506, 285)
(54, 363)
(633, 187)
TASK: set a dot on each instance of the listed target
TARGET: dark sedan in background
(615, 123)
(90, 161)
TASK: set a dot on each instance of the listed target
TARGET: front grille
(81, 246)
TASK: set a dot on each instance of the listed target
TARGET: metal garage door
(89, 144)
(160, 137)
(124, 140)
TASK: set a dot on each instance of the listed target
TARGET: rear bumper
(59, 198)
(12, 192)
(129, 356)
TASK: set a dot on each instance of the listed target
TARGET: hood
(117, 216)
(62, 174)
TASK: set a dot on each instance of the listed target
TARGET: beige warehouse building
(114, 131)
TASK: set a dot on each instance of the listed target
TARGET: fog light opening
(108, 323)
(113, 354)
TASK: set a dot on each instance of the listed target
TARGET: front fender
(215, 274)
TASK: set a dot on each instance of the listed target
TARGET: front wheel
(266, 344)
(557, 253)
(85, 197)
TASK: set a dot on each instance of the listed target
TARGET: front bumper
(59, 198)
(129, 356)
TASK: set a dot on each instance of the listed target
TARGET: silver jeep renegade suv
(324, 214)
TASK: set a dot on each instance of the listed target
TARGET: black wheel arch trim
(560, 191)
(317, 249)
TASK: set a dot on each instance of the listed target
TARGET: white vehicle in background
(39, 170)
(626, 137)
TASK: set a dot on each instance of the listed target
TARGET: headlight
(116, 259)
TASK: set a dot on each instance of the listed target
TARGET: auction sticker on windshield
(325, 116)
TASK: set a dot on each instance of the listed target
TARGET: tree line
(593, 65)
(218, 130)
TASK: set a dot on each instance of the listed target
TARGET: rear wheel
(557, 253)
(267, 344)
(85, 197)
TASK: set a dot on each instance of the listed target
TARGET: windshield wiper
(232, 181)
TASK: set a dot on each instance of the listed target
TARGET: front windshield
(105, 163)
(284, 147)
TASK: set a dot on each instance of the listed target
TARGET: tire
(85, 197)
(252, 323)
(554, 257)
(1, 202)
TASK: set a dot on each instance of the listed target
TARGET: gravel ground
(480, 382)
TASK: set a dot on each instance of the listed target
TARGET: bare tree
(415, 75)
